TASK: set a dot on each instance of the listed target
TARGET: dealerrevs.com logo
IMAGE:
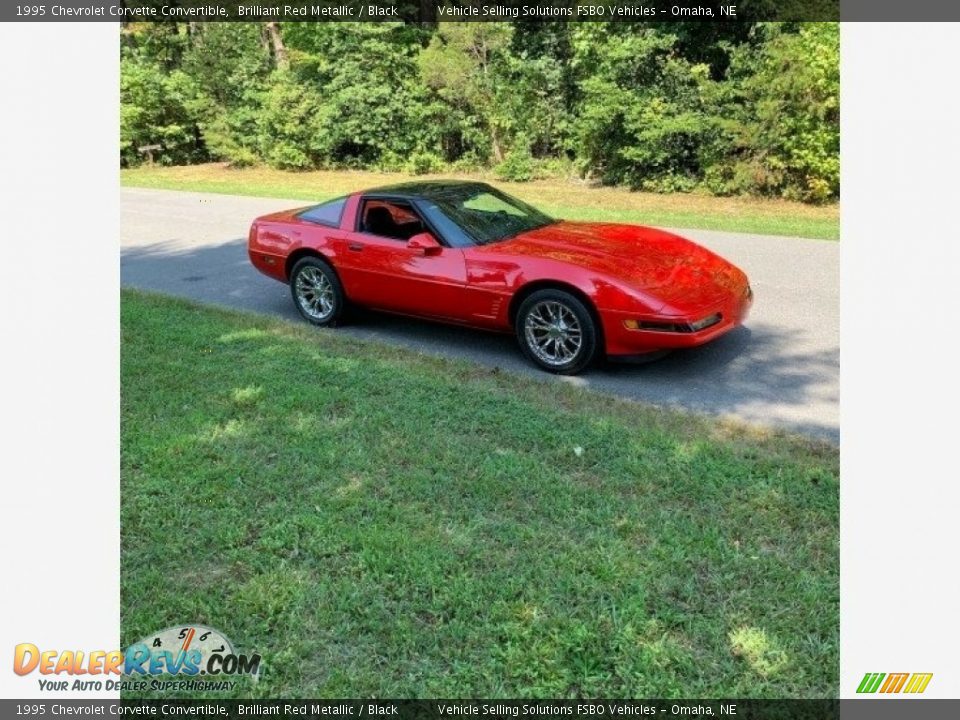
(182, 657)
(892, 683)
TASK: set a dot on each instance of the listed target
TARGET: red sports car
(466, 253)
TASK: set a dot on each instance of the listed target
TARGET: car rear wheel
(317, 291)
(556, 331)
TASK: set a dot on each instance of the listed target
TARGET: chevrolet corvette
(469, 254)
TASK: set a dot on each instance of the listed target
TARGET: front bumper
(622, 340)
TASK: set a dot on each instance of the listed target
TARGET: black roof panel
(423, 188)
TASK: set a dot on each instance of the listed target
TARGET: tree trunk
(428, 14)
(277, 47)
(496, 146)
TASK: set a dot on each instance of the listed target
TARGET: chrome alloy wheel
(315, 293)
(553, 333)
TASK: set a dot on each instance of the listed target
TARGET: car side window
(328, 213)
(390, 219)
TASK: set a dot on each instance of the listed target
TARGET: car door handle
(355, 247)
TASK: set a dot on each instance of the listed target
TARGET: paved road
(781, 369)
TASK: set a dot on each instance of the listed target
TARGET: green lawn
(379, 523)
(561, 198)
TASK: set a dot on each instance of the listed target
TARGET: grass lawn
(379, 523)
(561, 198)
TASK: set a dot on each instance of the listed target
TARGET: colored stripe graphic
(918, 682)
(894, 683)
(870, 682)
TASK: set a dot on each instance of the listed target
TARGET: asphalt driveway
(781, 369)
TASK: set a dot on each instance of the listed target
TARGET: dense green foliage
(749, 109)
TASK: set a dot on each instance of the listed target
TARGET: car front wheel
(317, 291)
(556, 331)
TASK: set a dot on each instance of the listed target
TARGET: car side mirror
(426, 243)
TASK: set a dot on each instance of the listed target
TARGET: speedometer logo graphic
(191, 637)
(188, 649)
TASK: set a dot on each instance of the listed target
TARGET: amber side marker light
(673, 327)
(706, 322)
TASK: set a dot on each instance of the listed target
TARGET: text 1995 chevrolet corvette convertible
(466, 253)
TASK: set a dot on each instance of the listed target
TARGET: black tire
(317, 292)
(554, 309)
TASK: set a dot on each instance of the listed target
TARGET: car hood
(670, 268)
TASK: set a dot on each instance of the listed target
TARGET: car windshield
(481, 213)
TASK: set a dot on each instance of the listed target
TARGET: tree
(230, 68)
(645, 119)
(727, 108)
(364, 77)
(787, 97)
(460, 65)
(155, 109)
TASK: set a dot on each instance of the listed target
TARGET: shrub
(518, 165)
(788, 90)
(154, 110)
(424, 163)
(555, 167)
(468, 163)
(649, 117)
(231, 136)
(288, 134)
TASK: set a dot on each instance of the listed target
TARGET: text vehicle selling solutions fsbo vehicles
(466, 253)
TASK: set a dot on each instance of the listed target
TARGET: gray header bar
(477, 10)
(460, 10)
